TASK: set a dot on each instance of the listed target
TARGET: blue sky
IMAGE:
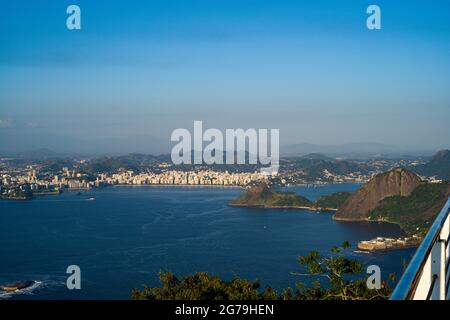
(139, 69)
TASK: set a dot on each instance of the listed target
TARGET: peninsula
(264, 196)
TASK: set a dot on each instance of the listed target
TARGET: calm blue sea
(126, 235)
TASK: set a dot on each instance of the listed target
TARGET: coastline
(371, 220)
(321, 184)
(391, 249)
(47, 193)
(177, 185)
(316, 209)
(15, 198)
(382, 244)
(366, 220)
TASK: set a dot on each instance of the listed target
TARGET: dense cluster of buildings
(173, 177)
(299, 178)
(357, 177)
(70, 179)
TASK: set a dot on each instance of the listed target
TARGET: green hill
(266, 197)
(334, 200)
(416, 212)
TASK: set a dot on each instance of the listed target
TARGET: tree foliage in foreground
(335, 278)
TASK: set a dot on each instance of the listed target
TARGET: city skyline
(134, 73)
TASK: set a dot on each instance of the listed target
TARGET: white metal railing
(427, 275)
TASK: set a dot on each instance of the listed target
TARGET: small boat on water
(91, 199)
(19, 285)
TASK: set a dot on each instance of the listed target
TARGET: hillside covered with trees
(416, 212)
(265, 196)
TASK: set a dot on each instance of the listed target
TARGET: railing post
(435, 272)
(442, 274)
(444, 239)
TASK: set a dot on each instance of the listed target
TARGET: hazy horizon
(138, 70)
(356, 149)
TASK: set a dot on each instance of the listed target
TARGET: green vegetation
(267, 197)
(337, 271)
(202, 286)
(134, 161)
(334, 200)
(344, 278)
(264, 196)
(109, 165)
(416, 212)
(17, 193)
(56, 165)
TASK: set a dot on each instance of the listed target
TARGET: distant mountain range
(359, 150)
(438, 166)
(38, 154)
(353, 150)
(317, 156)
(315, 166)
(135, 161)
(43, 154)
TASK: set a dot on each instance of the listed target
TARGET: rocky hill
(438, 166)
(396, 182)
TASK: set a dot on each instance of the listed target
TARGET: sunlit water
(126, 235)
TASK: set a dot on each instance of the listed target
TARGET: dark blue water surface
(126, 235)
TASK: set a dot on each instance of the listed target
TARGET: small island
(264, 196)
